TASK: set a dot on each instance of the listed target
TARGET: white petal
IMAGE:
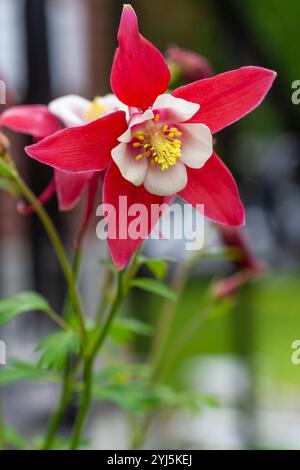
(197, 144)
(112, 103)
(69, 109)
(136, 119)
(131, 169)
(178, 110)
(168, 182)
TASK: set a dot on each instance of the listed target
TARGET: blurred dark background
(54, 47)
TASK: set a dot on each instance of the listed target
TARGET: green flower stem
(89, 362)
(106, 288)
(110, 318)
(58, 320)
(76, 271)
(57, 244)
(123, 287)
(67, 389)
(161, 337)
(179, 342)
(85, 405)
(57, 417)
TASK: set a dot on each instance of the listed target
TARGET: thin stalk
(89, 362)
(179, 342)
(123, 286)
(119, 297)
(105, 289)
(133, 268)
(85, 405)
(57, 244)
(140, 432)
(161, 337)
(67, 389)
(76, 271)
(57, 417)
(58, 320)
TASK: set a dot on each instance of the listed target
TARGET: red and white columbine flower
(165, 147)
(40, 121)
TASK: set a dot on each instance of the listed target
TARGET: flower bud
(192, 66)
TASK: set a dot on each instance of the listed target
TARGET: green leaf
(158, 267)
(210, 401)
(124, 330)
(125, 386)
(154, 286)
(13, 439)
(111, 374)
(21, 303)
(183, 399)
(140, 396)
(56, 348)
(167, 396)
(122, 373)
(20, 370)
(135, 396)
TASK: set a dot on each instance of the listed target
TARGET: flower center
(158, 143)
(95, 110)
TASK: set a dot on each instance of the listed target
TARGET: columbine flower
(41, 121)
(166, 145)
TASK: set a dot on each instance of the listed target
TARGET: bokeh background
(243, 357)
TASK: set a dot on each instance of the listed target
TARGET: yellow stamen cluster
(159, 144)
(95, 110)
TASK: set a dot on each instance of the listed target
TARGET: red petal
(81, 148)
(35, 120)
(214, 186)
(69, 187)
(139, 72)
(114, 186)
(227, 97)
